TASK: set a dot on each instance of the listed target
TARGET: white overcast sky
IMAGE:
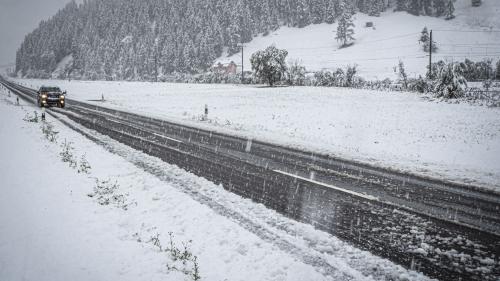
(20, 17)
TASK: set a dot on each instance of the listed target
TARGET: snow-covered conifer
(497, 77)
(439, 7)
(449, 10)
(330, 12)
(415, 7)
(374, 8)
(401, 5)
(345, 26)
(425, 40)
(402, 74)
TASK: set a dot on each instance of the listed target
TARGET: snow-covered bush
(338, 78)
(269, 64)
(450, 82)
(67, 154)
(385, 84)
(420, 85)
(481, 70)
(156, 241)
(296, 73)
(105, 194)
(48, 132)
(84, 166)
(323, 78)
(180, 258)
(487, 84)
(31, 118)
(350, 76)
(183, 260)
(327, 78)
(472, 71)
(403, 77)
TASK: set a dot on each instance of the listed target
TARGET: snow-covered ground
(403, 131)
(50, 229)
(473, 33)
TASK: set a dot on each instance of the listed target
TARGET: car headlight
(62, 97)
(44, 96)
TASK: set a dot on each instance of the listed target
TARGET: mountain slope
(144, 39)
(395, 36)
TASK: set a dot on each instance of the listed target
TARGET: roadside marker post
(248, 147)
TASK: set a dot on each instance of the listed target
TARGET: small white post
(249, 145)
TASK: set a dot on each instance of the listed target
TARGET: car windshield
(50, 89)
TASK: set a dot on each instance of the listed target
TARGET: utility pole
(156, 60)
(430, 56)
(242, 61)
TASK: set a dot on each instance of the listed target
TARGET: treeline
(436, 8)
(143, 39)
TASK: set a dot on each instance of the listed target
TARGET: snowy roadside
(50, 229)
(401, 131)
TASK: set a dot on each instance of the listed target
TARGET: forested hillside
(138, 39)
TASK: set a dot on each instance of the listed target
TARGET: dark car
(50, 96)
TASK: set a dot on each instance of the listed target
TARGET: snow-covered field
(403, 131)
(395, 36)
(50, 229)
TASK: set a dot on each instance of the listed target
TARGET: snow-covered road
(51, 230)
(402, 131)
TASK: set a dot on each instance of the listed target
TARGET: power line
(391, 38)
(377, 59)
(469, 56)
(471, 44)
(361, 42)
(471, 53)
(468, 31)
(366, 51)
(406, 56)
(331, 55)
(312, 48)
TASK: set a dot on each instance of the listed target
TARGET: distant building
(225, 69)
